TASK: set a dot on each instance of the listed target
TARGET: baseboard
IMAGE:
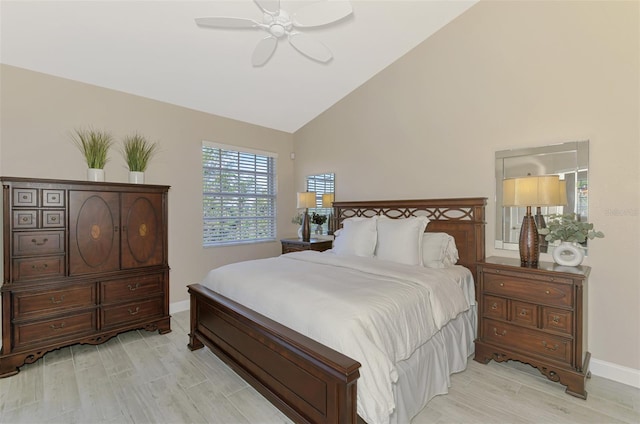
(179, 306)
(615, 372)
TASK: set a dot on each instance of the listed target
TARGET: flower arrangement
(568, 228)
(318, 219)
(94, 146)
(297, 219)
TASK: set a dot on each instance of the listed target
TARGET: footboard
(306, 380)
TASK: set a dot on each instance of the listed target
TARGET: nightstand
(295, 245)
(536, 316)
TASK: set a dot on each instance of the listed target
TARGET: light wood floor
(142, 377)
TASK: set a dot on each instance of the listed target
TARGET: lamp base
(529, 248)
(306, 227)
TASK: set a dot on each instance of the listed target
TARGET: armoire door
(94, 233)
(142, 234)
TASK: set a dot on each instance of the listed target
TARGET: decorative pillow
(400, 240)
(439, 250)
(356, 237)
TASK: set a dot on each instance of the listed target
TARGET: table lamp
(542, 190)
(306, 200)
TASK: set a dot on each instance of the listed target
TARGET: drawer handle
(39, 267)
(523, 312)
(55, 302)
(546, 346)
(53, 219)
(57, 327)
(42, 243)
(134, 312)
(25, 219)
(501, 284)
(134, 287)
(556, 319)
(495, 332)
(547, 292)
(494, 306)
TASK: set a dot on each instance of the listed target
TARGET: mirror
(570, 161)
(321, 184)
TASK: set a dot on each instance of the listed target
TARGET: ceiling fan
(278, 23)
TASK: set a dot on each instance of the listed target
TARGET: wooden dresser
(82, 262)
(295, 245)
(536, 316)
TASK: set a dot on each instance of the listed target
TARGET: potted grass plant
(94, 146)
(137, 151)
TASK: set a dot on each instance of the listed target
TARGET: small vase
(95, 174)
(318, 229)
(136, 177)
(300, 232)
(568, 254)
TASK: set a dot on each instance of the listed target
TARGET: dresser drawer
(131, 288)
(53, 219)
(25, 197)
(557, 320)
(53, 198)
(46, 302)
(25, 219)
(528, 341)
(533, 291)
(43, 267)
(47, 331)
(524, 313)
(132, 312)
(38, 243)
(495, 307)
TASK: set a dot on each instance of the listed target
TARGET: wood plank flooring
(143, 377)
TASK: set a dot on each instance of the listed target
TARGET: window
(239, 195)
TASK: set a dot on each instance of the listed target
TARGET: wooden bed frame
(306, 380)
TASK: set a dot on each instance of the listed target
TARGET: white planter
(136, 177)
(568, 254)
(95, 174)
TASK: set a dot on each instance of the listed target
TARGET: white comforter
(374, 311)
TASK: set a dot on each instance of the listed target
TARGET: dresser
(536, 316)
(82, 262)
(296, 245)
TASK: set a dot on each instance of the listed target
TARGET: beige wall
(507, 75)
(39, 111)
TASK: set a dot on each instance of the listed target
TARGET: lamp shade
(307, 200)
(542, 190)
(327, 200)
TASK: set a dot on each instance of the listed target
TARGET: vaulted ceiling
(154, 49)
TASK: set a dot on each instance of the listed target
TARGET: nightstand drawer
(495, 307)
(527, 290)
(524, 313)
(557, 320)
(528, 341)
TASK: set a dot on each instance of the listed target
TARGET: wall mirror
(570, 161)
(324, 185)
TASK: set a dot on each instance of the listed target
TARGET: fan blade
(226, 22)
(264, 50)
(272, 7)
(321, 13)
(309, 47)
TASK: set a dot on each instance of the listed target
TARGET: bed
(312, 382)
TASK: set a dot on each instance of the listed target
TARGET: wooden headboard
(462, 218)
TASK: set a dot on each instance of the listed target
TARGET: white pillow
(400, 240)
(356, 237)
(439, 250)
